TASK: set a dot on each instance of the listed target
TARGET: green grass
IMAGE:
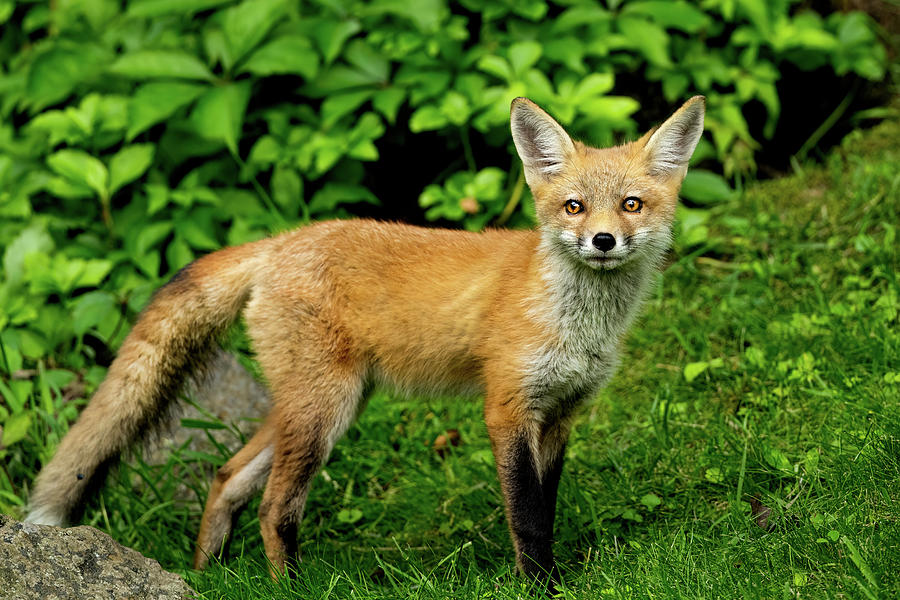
(788, 314)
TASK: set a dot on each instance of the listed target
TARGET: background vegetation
(136, 136)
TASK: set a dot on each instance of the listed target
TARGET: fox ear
(542, 143)
(670, 146)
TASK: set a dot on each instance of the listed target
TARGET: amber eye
(632, 204)
(573, 207)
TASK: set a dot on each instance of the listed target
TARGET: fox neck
(593, 303)
(586, 312)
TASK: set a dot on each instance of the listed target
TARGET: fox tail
(173, 338)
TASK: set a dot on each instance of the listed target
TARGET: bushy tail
(173, 337)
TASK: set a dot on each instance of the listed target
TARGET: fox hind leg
(310, 421)
(233, 486)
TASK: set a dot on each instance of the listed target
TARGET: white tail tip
(45, 516)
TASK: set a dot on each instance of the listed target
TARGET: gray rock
(39, 562)
(229, 393)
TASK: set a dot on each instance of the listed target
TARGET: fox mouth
(589, 256)
(604, 262)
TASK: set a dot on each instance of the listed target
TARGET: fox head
(606, 207)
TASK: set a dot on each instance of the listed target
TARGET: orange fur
(531, 318)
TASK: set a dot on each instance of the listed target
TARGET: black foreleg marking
(530, 510)
(550, 484)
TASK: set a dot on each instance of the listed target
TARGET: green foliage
(475, 199)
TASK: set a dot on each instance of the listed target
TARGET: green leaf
(178, 253)
(595, 84)
(290, 55)
(365, 58)
(427, 15)
(694, 369)
(156, 101)
(632, 515)
(714, 475)
(156, 8)
(91, 309)
(331, 35)
(66, 188)
(149, 64)
(534, 10)
(89, 273)
(580, 16)
(32, 240)
(427, 118)
(757, 13)
(346, 515)
(80, 167)
(265, 151)
(336, 106)
(216, 48)
(128, 164)
(148, 263)
(612, 109)
(777, 459)
(488, 183)
(672, 15)
(705, 187)
(16, 428)
(246, 24)
(497, 66)
(651, 501)
(31, 343)
(567, 50)
(287, 189)
(55, 73)
(149, 236)
(332, 194)
(157, 197)
(58, 126)
(388, 101)
(675, 85)
(6, 10)
(523, 56)
(648, 38)
(197, 234)
(456, 107)
(338, 78)
(219, 113)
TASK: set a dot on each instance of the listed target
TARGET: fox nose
(604, 242)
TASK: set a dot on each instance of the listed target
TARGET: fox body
(531, 319)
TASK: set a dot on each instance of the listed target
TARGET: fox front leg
(529, 458)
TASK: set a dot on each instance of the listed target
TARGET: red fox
(531, 319)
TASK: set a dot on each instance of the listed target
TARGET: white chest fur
(588, 312)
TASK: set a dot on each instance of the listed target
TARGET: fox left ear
(671, 145)
(542, 143)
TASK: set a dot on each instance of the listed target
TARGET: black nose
(604, 241)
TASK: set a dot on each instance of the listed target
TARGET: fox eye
(573, 207)
(632, 204)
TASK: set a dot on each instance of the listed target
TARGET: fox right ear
(669, 147)
(542, 143)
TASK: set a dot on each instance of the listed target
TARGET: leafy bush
(135, 137)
